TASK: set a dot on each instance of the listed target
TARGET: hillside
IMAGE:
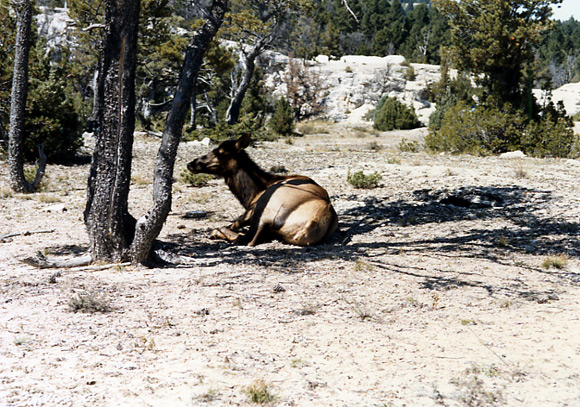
(352, 85)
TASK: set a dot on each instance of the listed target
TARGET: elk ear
(243, 141)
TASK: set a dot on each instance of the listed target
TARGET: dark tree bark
(109, 224)
(149, 226)
(19, 95)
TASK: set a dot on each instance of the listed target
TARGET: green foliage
(384, 27)
(392, 114)
(559, 54)
(195, 180)
(282, 121)
(161, 51)
(447, 94)
(51, 117)
(410, 74)
(359, 179)
(494, 39)
(485, 130)
(551, 135)
(223, 131)
(480, 130)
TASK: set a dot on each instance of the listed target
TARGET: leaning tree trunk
(149, 226)
(248, 66)
(19, 94)
(109, 225)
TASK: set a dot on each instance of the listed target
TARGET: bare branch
(345, 2)
(27, 233)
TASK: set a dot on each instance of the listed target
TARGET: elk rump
(293, 209)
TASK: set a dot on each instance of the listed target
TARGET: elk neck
(247, 179)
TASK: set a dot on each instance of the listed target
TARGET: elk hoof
(217, 235)
(223, 233)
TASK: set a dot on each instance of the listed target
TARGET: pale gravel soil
(415, 302)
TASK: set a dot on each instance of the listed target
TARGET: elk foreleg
(230, 232)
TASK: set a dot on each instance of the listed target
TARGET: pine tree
(494, 39)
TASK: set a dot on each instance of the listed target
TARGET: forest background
(63, 71)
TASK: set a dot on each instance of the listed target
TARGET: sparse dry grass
(90, 303)
(259, 392)
(46, 198)
(557, 262)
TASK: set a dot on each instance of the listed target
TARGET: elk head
(222, 159)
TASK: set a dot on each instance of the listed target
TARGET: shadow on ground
(495, 223)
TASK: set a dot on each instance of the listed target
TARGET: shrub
(410, 74)
(195, 180)
(392, 114)
(360, 180)
(445, 103)
(282, 121)
(409, 146)
(552, 135)
(480, 130)
(485, 130)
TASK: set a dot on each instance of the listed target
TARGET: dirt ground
(456, 282)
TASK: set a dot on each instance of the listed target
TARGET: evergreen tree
(390, 37)
(494, 39)
(282, 121)
(415, 46)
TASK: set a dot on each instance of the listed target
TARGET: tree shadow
(495, 223)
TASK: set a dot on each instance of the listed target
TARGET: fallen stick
(27, 233)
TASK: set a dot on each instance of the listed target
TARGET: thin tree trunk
(149, 226)
(248, 66)
(93, 120)
(109, 225)
(19, 95)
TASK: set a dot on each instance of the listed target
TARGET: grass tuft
(260, 393)
(89, 303)
(558, 262)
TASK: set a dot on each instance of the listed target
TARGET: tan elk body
(293, 209)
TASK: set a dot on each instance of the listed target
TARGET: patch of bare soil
(454, 283)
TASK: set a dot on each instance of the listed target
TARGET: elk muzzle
(205, 164)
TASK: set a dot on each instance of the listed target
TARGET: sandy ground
(437, 291)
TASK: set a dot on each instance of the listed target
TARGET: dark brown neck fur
(247, 179)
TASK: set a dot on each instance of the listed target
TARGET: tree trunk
(109, 225)
(149, 226)
(19, 95)
(248, 66)
(93, 120)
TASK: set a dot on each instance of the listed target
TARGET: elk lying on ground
(294, 209)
